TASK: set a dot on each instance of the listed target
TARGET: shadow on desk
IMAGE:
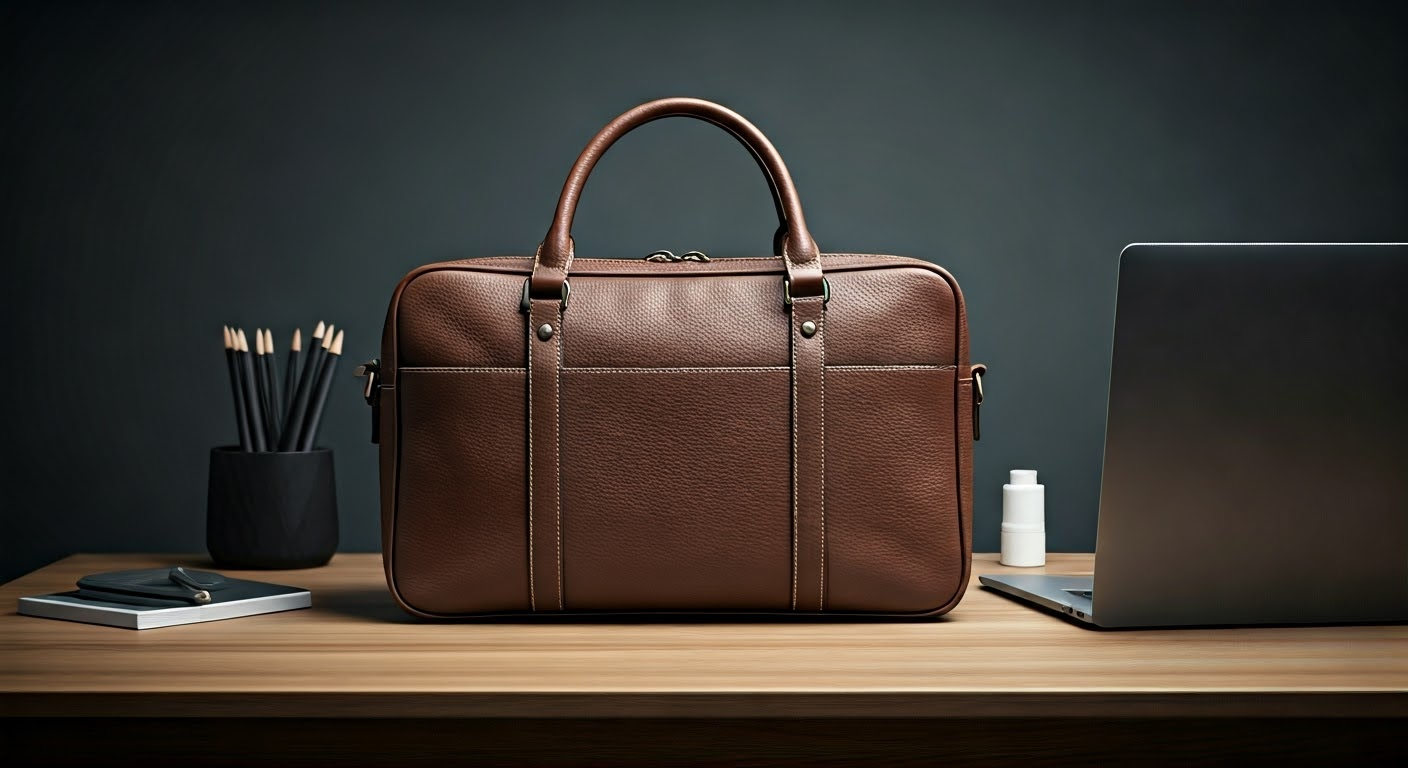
(1073, 621)
(378, 605)
(367, 604)
(374, 603)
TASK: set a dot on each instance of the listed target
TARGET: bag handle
(798, 250)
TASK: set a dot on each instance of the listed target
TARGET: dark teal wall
(169, 167)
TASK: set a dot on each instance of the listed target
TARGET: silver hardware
(201, 597)
(808, 329)
(525, 303)
(545, 331)
(370, 371)
(825, 291)
(663, 257)
(978, 370)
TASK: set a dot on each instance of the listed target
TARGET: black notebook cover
(237, 599)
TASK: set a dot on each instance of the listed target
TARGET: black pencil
(251, 395)
(276, 399)
(306, 379)
(244, 392)
(247, 389)
(242, 426)
(320, 354)
(310, 362)
(315, 411)
(258, 361)
(265, 396)
(295, 354)
(292, 436)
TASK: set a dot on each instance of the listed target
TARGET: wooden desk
(994, 679)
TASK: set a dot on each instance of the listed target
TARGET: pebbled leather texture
(679, 443)
(809, 454)
(544, 353)
(674, 493)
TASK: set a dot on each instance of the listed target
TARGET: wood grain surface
(356, 654)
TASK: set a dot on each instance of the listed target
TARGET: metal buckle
(825, 291)
(978, 370)
(525, 304)
(370, 371)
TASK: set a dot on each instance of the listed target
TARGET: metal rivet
(809, 329)
(545, 331)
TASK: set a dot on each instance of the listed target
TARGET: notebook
(239, 598)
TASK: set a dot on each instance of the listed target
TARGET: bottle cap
(1023, 477)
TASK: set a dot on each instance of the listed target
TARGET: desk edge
(1351, 704)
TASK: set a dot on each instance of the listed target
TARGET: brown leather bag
(791, 434)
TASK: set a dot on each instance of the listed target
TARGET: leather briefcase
(783, 435)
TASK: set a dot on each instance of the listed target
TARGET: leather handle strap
(798, 249)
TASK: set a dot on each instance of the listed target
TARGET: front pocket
(893, 530)
(459, 543)
(676, 489)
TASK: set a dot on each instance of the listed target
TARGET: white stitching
(653, 265)
(821, 344)
(537, 255)
(680, 369)
(759, 369)
(455, 369)
(665, 267)
(557, 453)
(532, 596)
(820, 336)
(891, 367)
(792, 322)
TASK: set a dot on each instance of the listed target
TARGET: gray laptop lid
(1256, 445)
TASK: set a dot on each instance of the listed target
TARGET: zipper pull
(663, 257)
(978, 371)
(371, 370)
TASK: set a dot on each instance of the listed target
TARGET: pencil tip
(327, 337)
(227, 336)
(241, 343)
(318, 332)
(258, 341)
(336, 345)
(297, 345)
(268, 341)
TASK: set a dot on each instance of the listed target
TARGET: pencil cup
(271, 510)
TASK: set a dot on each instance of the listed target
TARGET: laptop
(1256, 441)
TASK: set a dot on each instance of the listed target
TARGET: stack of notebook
(163, 598)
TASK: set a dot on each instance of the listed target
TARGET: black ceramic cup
(271, 510)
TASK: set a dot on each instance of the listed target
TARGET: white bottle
(1023, 520)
